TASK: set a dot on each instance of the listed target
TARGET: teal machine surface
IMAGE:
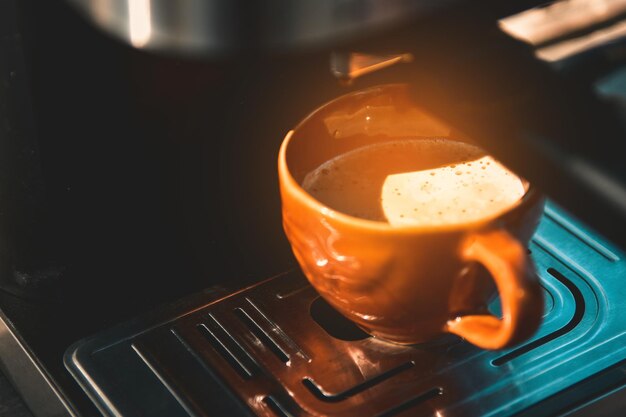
(273, 349)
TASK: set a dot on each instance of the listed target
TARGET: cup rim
(292, 186)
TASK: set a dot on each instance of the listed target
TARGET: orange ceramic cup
(406, 284)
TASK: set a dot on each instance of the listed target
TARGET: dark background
(153, 176)
(129, 180)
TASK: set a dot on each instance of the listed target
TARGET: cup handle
(520, 293)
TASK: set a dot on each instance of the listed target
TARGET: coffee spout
(347, 66)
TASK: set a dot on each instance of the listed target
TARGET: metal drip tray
(276, 349)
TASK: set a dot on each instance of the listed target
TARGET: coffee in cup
(419, 181)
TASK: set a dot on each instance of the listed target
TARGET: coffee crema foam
(416, 182)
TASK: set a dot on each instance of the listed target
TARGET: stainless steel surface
(11, 404)
(28, 377)
(562, 19)
(217, 27)
(273, 346)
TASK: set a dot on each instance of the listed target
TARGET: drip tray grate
(276, 349)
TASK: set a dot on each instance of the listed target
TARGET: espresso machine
(144, 271)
